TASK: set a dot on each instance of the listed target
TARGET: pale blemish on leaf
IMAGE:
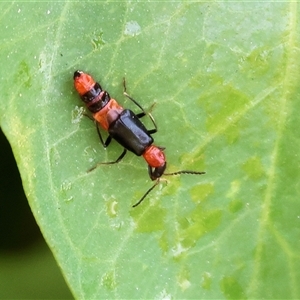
(77, 114)
(109, 280)
(112, 208)
(183, 279)
(132, 28)
(206, 281)
(97, 40)
(234, 188)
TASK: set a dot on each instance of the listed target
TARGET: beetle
(124, 126)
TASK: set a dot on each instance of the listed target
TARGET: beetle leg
(109, 162)
(107, 141)
(143, 113)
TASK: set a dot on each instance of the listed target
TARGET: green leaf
(225, 80)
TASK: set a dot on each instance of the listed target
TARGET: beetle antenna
(185, 172)
(145, 195)
(157, 181)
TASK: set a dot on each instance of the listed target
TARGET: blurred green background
(28, 269)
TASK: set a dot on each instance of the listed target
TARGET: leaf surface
(225, 80)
